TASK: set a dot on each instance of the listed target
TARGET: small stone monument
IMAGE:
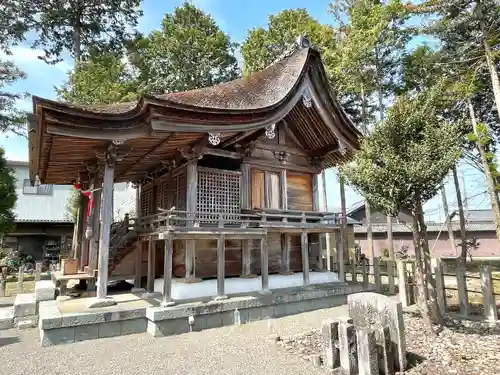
(376, 312)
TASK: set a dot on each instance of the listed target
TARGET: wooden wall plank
(300, 194)
(257, 188)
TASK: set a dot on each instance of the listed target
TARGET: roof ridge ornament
(303, 41)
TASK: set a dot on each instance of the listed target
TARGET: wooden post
(246, 257)
(192, 203)
(327, 235)
(489, 304)
(364, 271)
(94, 241)
(107, 219)
(440, 290)
(376, 274)
(354, 270)
(84, 247)
(316, 207)
(138, 265)
(20, 280)
(77, 230)
(38, 271)
(403, 283)
(264, 264)
(3, 281)
(245, 186)
(284, 190)
(221, 267)
(286, 240)
(343, 223)
(390, 276)
(462, 289)
(305, 257)
(151, 265)
(167, 272)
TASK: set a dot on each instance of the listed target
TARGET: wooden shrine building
(226, 176)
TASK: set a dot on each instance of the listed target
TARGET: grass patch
(11, 287)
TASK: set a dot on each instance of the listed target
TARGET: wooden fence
(22, 282)
(458, 290)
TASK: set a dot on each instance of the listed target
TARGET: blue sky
(235, 18)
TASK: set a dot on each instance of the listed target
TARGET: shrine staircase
(122, 242)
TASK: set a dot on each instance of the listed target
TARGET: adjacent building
(479, 225)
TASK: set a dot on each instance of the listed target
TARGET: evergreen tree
(8, 196)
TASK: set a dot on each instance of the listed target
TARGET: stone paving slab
(25, 305)
(6, 317)
(45, 290)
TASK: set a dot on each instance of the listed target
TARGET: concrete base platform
(62, 322)
(6, 317)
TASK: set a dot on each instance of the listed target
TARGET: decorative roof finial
(303, 41)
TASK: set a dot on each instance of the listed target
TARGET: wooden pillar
(138, 188)
(221, 267)
(264, 264)
(138, 265)
(316, 207)
(107, 219)
(327, 235)
(151, 265)
(286, 242)
(84, 247)
(489, 303)
(245, 184)
(167, 272)
(284, 190)
(94, 241)
(191, 204)
(246, 258)
(77, 230)
(343, 237)
(305, 257)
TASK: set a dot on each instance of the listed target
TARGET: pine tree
(8, 195)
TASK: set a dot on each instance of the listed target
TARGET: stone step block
(45, 290)
(6, 317)
(25, 305)
(26, 322)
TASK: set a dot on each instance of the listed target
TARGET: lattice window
(146, 198)
(218, 192)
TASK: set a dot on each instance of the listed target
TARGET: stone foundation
(61, 328)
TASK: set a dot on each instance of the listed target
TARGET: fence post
(489, 304)
(364, 270)
(462, 289)
(20, 280)
(440, 286)
(403, 283)
(390, 276)
(38, 271)
(376, 274)
(3, 281)
(354, 270)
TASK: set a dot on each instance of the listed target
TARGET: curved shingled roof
(175, 120)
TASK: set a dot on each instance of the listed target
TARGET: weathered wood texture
(300, 194)
(257, 188)
(218, 192)
(165, 192)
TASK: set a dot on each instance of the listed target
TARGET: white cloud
(24, 56)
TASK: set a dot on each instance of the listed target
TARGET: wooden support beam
(245, 184)
(191, 205)
(221, 267)
(167, 272)
(151, 265)
(286, 242)
(264, 265)
(304, 245)
(221, 153)
(246, 257)
(138, 265)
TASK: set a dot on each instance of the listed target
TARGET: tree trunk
(427, 284)
(368, 211)
(495, 204)
(495, 82)
(463, 232)
(451, 236)
(77, 42)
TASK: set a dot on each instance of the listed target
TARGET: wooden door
(257, 188)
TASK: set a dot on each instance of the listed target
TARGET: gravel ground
(461, 348)
(230, 350)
